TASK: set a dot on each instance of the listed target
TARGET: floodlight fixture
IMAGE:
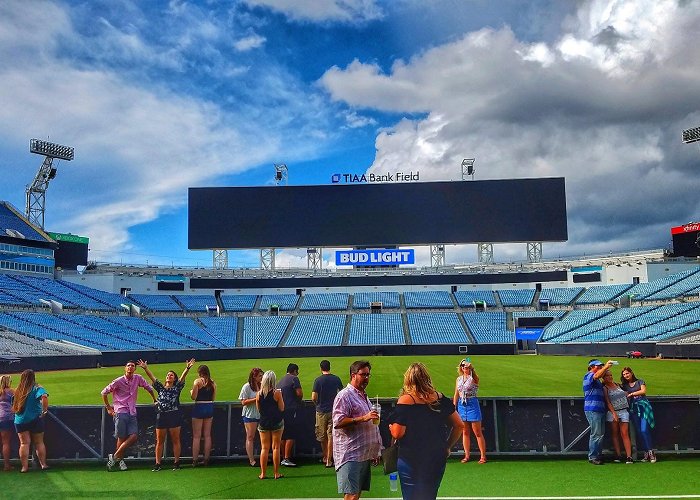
(691, 135)
(468, 168)
(50, 149)
(281, 174)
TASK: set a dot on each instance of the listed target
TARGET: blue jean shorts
(469, 411)
(623, 416)
(125, 425)
(203, 410)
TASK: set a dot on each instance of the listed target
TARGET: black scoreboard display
(686, 240)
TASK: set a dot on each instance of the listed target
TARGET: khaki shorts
(324, 425)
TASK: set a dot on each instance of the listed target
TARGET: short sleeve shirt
(593, 399)
(32, 407)
(326, 386)
(289, 385)
(249, 410)
(168, 397)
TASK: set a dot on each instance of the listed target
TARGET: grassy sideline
(497, 479)
(517, 376)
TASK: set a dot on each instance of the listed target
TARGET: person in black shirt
(326, 386)
(426, 426)
(292, 395)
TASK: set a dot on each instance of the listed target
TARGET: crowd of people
(607, 401)
(425, 423)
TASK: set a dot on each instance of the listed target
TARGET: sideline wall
(512, 426)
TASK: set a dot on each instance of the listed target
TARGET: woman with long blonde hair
(421, 420)
(7, 418)
(30, 405)
(270, 404)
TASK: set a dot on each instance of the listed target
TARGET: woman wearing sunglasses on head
(468, 408)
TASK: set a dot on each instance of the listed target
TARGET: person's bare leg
(276, 443)
(177, 445)
(24, 440)
(466, 441)
(480, 441)
(265, 439)
(125, 444)
(160, 438)
(38, 440)
(206, 432)
(196, 438)
(6, 436)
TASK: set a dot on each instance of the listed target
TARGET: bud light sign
(374, 257)
(529, 333)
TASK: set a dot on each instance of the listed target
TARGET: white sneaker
(122, 465)
(110, 464)
(288, 463)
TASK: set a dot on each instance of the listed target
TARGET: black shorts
(35, 426)
(291, 424)
(168, 419)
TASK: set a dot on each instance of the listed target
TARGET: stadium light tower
(36, 191)
(468, 168)
(691, 135)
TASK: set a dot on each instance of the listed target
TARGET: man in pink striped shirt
(356, 440)
(124, 391)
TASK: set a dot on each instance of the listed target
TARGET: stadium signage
(375, 178)
(688, 228)
(528, 333)
(374, 257)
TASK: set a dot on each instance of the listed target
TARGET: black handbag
(390, 458)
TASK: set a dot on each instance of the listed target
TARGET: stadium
(60, 311)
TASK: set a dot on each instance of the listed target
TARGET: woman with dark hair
(426, 426)
(640, 410)
(618, 416)
(203, 393)
(468, 408)
(270, 404)
(168, 416)
(249, 413)
(30, 405)
(6, 418)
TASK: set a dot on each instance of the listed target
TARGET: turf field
(536, 478)
(516, 376)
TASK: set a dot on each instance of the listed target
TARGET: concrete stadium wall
(512, 426)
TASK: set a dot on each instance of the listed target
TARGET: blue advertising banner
(528, 333)
(374, 257)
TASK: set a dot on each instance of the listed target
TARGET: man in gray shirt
(291, 394)
(326, 386)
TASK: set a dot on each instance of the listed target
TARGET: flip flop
(262, 477)
(465, 460)
(279, 476)
(482, 460)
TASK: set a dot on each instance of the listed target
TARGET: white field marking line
(587, 497)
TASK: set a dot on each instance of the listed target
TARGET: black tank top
(205, 393)
(270, 414)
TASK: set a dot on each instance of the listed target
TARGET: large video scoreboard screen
(421, 213)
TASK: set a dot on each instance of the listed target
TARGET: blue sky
(160, 96)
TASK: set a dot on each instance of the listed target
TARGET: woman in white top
(249, 413)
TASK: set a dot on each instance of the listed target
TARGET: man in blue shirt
(594, 408)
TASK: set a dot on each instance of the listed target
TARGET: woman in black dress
(426, 426)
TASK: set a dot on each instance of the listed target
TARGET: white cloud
(595, 108)
(343, 11)
(249, 43)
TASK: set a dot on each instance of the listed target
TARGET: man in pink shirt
(124, 391)
(356, 440)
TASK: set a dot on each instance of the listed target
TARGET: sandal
(465, 460)
(482, 460)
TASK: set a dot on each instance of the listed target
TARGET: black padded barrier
(512, 426)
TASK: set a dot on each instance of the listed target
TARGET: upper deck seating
(560, 296)
(389, 300)
(466, 298)
(602, 294)
(158, 303)
(325, 302)
(285, 301)
(516, 298)
(435, 299)
(238, 303)
(224, 328)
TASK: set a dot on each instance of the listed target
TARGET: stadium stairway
(406, 330)
(239, 331)
(460, 318)
(287, 331)
(346, 330)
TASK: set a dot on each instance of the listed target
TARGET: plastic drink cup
(615, 362)
(377, 407)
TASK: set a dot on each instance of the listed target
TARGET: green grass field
(497, 479)
(516, 376)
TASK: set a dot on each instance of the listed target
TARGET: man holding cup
(356, 439)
